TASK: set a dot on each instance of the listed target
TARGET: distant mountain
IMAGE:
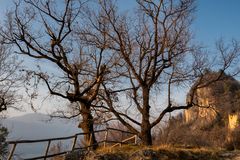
(37, 126)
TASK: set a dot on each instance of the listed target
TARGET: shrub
(179, 133)
(3, 144)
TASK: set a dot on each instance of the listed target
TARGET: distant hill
(37, 126)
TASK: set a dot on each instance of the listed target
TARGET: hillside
(158, 153)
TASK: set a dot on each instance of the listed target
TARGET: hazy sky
(214, 19)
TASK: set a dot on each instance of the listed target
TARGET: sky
(214, 19)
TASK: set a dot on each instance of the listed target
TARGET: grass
(134, 148)
(163, 152)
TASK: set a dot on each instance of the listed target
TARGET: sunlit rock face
(204, 114)
(217, 103)
(233, 121)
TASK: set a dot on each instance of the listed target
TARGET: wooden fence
(74, 138)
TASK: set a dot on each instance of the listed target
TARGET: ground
(160, 153)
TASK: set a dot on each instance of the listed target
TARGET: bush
(179, 133)
(3, 144)
(233, 140)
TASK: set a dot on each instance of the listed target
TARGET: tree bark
(87, 125)
(146, 135)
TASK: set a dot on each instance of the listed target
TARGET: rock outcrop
(217, 102)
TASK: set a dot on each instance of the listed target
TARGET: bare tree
(155, 56)
(9, 80)
(44, 30)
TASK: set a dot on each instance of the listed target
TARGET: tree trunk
(146, 135)
(87, 125)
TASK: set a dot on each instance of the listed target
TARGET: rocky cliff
(217, 102)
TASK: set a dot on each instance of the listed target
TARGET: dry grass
(119, 149)
(167, 151)
(162, 152)
(58, 158)
(133, 148)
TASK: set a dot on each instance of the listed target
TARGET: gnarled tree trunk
(145, 135)
(87, 125)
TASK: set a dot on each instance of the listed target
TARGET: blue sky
(217, 19)
(214, 19)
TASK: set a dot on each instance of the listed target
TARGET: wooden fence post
(47, 149)
(89, 143)
(74, 142)
(135, 139)
(105, 138)
(121, 136)
(12, 151)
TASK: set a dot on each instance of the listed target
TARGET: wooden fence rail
(73, 146)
